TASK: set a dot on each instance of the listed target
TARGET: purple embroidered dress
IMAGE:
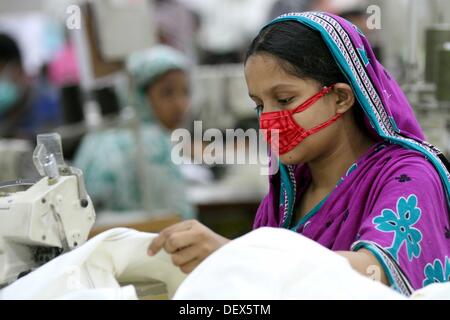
(394, 201)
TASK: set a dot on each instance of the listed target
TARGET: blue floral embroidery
(436, 272)
(401, 223)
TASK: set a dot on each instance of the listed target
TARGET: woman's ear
(344, 97)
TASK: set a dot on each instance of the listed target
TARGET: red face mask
(290, 133)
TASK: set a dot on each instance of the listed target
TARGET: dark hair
(9, 50)
(302, 53)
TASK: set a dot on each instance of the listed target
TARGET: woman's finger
(191, 265)
(159, 241)
(180, 226)
(185, 255)
(179, 240)
(156, 245)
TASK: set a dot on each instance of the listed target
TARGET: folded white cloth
(97, 269)
(273, 263)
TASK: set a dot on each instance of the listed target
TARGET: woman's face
(273, 89)
(169, 98)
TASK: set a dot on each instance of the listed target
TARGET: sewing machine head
(52, 216)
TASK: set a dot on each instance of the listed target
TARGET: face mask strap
(322, 125)
(313, 99)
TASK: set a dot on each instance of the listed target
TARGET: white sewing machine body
(53, 216)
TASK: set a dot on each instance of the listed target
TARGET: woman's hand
(188, 243)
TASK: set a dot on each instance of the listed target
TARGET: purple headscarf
(394, 200)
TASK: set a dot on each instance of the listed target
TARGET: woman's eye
(285, 101)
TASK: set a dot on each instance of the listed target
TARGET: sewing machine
(52, 216)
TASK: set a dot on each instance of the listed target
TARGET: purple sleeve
(407, 228)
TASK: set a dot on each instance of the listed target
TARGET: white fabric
(97, 269)
(264, 264)
(279, 264)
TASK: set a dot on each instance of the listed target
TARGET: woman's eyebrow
(275, 88)
(281, 86)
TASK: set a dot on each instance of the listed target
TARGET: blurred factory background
(72, 68)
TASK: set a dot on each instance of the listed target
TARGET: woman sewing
(355, 172)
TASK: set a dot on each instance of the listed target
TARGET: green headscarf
(147, 66)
